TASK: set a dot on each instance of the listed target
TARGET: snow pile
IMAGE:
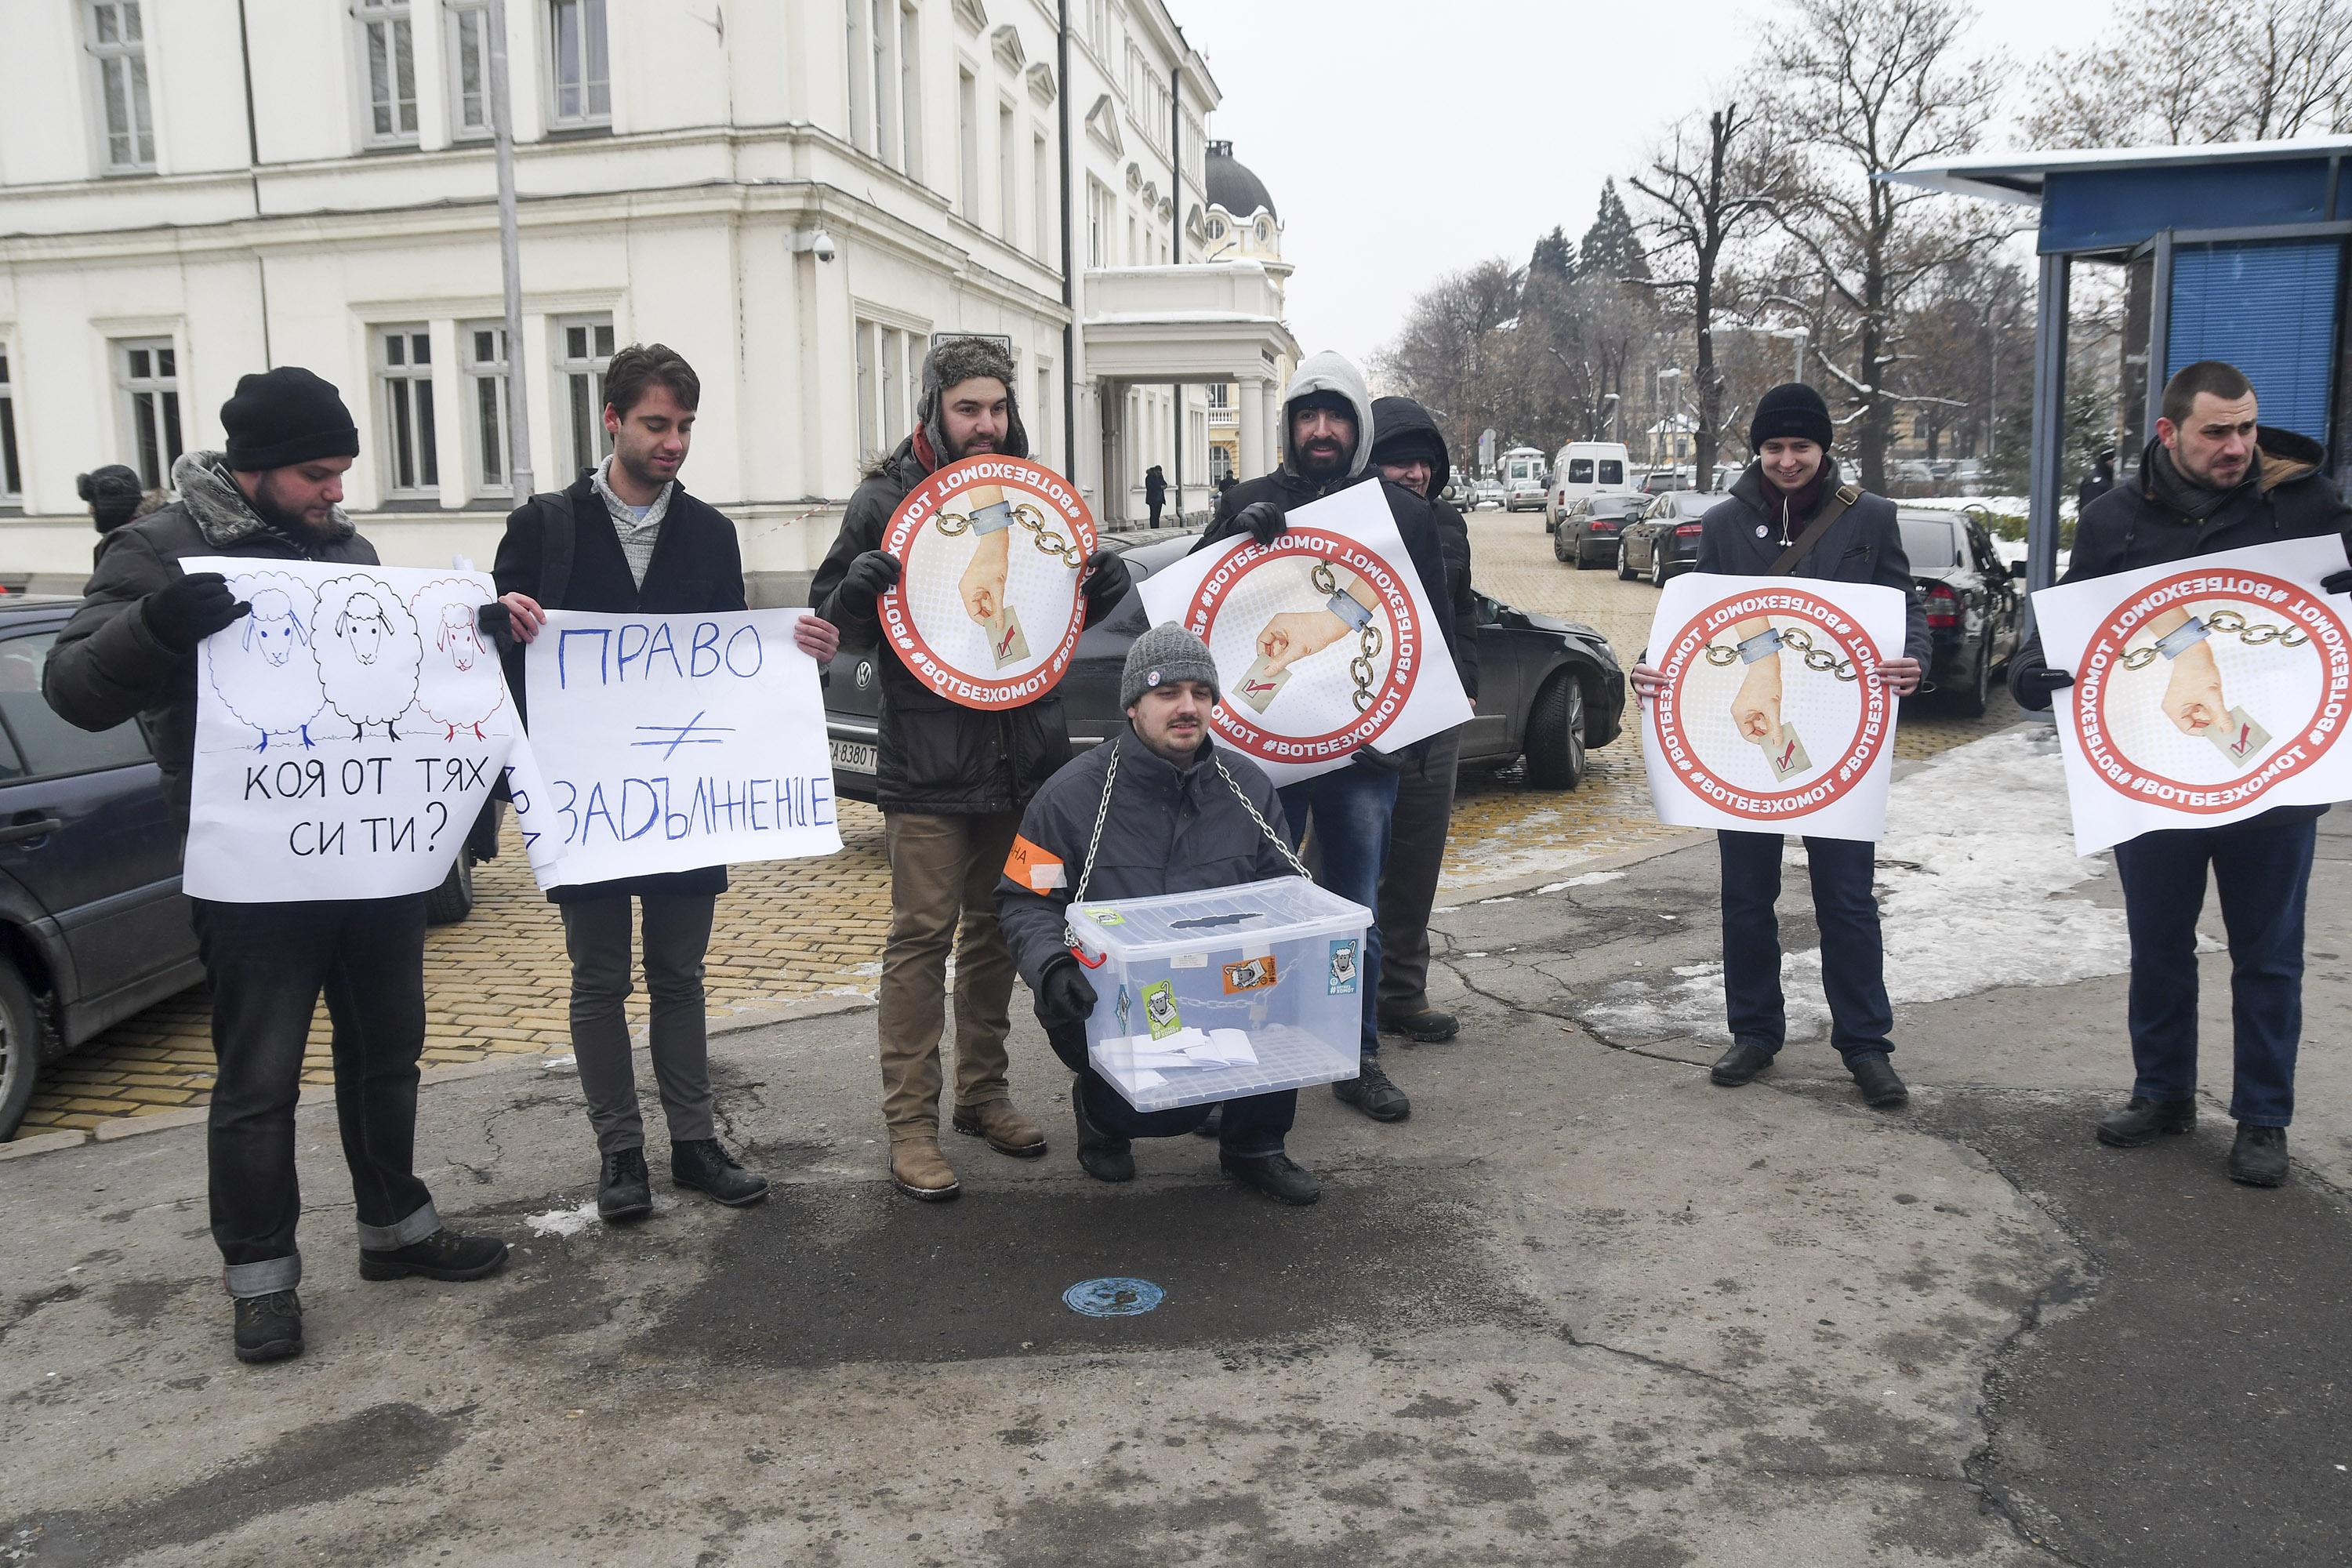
(564, 1222)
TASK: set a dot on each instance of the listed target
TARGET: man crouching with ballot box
(1160, 809)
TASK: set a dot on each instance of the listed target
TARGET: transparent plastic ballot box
(1209, 996)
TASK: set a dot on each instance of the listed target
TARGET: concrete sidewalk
(1583, 1308)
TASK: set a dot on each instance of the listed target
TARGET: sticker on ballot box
(1343, 968)
(1160, 1013)
(1249, 974)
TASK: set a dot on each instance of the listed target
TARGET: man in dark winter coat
(1329, 430)
(1182, 817)
(1769, 509)
(1409, 451)
(626, 539)
(2213, 479)
(113, 494)
(130, 650)
(952, 782)
(2097, 483)
(1155, 491)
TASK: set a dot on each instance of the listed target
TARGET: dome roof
(1233, 187)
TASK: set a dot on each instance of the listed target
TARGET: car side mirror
(2017, 569)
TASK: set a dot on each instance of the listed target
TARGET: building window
(1098, 27)
(485, 360)
(412, 451)
(1221, 395)
(118, 42)
(1041, 417)
(388, 46)
(1007, 157)
(12, 476)
(968, 144)
(889, 364)
(581, 64)
(1101, 214)
(1041, 206)
(911, 94)
(877, 43)
(584, 347)
(149, 374)
(468, 36)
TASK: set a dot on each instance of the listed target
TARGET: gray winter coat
(1740, 537)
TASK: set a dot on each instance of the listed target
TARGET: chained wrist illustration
(991, 513)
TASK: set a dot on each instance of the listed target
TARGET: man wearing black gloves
(2213, 479)
(951, 784)
(1788, 516)
(1181, 817)
(1329, 431)
(130, 650)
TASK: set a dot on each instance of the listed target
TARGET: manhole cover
(1112, 1298)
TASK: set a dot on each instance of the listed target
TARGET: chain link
(1368, 638)
(1045, 537)
(2226, 623)
(1797, 637)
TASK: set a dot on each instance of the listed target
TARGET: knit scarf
(637, 536)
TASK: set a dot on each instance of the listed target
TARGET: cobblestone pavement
(498, 982)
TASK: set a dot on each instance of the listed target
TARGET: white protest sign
(1769, 721)
(1323, 640)
(667, 743)
(347, 731)
(2205, 690)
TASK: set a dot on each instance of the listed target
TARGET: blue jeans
(2262, 869)
(1853, 976)
(1350, 808)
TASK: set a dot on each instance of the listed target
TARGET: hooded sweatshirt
(1404, 424)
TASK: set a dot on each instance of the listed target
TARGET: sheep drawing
(369, 653)
(463, 686)
(262, 666)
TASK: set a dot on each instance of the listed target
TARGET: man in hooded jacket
(951, 782)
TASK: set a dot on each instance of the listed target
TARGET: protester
(1330, 429)
(2097, 483)
(2213, 479)
(952, 782)
(1155, 491)
(132, 650)
(1789, 516)
(1411, 452)
(113, 495)
(1157, 809)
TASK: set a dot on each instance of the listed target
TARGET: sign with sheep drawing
(667, 743)
(348, 728)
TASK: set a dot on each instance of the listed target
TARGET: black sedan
(1663, 540)
(1547, 690)
(1587, 532)
(1974, 608)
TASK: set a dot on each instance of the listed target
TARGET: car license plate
(857, 758)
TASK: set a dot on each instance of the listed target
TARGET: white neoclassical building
(797, 194)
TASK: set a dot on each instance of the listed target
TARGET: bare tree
(1448, 355)
(2187, 71)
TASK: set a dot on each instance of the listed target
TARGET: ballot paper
(1187, 1048)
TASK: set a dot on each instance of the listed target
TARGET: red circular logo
(986, 610)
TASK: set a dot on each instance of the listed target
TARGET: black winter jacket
(1395, 417)
(1740, 537)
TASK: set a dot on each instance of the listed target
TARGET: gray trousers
(1424, 807)
(676, 934)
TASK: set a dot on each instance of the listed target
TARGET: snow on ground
(1977, 879)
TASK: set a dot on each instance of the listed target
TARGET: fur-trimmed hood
(219, 509)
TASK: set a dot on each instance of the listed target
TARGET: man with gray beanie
(131, 651)
(1181, 817)
(951, 784)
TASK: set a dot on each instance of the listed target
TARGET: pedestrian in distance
(1156, 809)
(625, 538)
(951, 782)
(2214, 478)
(131, 651)
(113, 495)
(1791, 515)
(1155, 491)
(2097, 483)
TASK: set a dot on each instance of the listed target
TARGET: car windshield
(1933, 543)
(1617, 506)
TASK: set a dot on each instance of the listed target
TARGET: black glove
(1066, 998)
(2337, 582)
(2033, 687)
(1106, 581)
(192, 609)
(1262, 519)
(494, 621)
(869, 576)
(1379, 762)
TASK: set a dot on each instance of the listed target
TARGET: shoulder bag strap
(1832, 510)
(557, 540)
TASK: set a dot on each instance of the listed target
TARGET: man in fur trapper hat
(952, 782)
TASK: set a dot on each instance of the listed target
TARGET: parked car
(1490, 492)
(1523, 479)
(1549, 690)
(1974, 606)
(1585, 469)
(1461, 493)
(1659, 481)
(1663, 540)
(1587, 534)
(95, 926)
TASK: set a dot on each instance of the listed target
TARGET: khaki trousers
(944, 873)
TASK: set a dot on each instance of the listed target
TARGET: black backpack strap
(557, 540)
(1832, 510)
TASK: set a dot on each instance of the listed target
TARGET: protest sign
(1323, 640)
(2205, 690)
(1769, 721)
(986, 609)
(347, 731)
(667, 743)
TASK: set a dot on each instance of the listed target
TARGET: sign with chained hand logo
(2205, 690)
(1772, 721)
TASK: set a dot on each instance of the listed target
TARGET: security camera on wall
(822, 246)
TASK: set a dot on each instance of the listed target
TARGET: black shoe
(1278, 1176)
(2259, 1156)
(1214, 1126)
(1875, 1076)
(1371, 1092)
(702, 1164)
(2143, 1121)
(624, 1190)
(1740, 1064)
(445, 1255)
(1100, 1155)
(1427, 1026)
(269, 1327)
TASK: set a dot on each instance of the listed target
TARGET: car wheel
(21, 1038)
(453, 900)
(1583, 556)
(1559, 547)
(1555, 735)
(1970, 701)
(1624, 568)
(1658, 564)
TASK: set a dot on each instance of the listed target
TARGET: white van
(1585, 469)
(1521, 470)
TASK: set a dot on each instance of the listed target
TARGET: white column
(1255, 462)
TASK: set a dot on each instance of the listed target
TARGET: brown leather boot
(920, 1171)
(1007, 1131)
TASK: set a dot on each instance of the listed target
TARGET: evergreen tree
(1611, 247)
(1554, 254)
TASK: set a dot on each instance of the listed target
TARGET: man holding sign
(132, 650)
(2212, 480)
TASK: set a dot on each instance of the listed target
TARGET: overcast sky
(1403, 138)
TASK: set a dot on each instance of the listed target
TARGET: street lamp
(518, 474)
